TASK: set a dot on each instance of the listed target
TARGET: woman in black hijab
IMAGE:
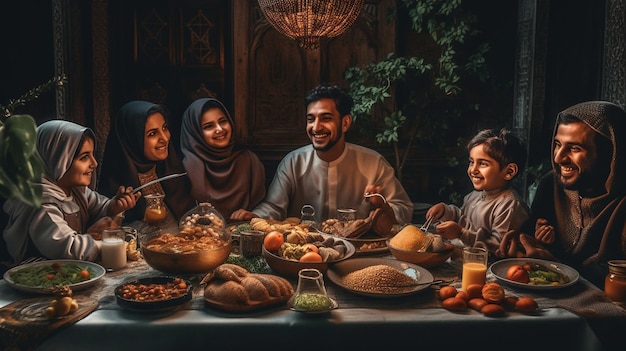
(138, 150)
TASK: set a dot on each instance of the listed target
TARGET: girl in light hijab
(231, 177)
(71, 214)
(138, 150)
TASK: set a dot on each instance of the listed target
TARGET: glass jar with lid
(308, 215)
(615, 281)
(204, 217)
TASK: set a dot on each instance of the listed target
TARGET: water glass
(251, 242)
(346, 214)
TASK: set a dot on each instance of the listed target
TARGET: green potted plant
(20, 168)
(409, 100)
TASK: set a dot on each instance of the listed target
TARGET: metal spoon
(368, 195)
(434, 282)
(159, 180)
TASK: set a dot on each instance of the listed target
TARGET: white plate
(98, 270)
(499, 268)
(422, 275)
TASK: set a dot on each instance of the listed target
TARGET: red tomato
(84, 274)
(518, 274)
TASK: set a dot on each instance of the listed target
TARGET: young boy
(70, 210)
(494, 207)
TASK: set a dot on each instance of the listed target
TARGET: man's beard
(331, 142)
(585, 181)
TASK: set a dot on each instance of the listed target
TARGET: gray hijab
(57, 144)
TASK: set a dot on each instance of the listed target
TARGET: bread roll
(255, 289)
(228, 292)
(234, 288)
(411, 238)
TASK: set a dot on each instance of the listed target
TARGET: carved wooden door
(272, 74)
(173, 52)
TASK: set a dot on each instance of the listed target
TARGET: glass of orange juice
(474, 265)
(155, 209)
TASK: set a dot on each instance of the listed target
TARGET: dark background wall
(572, 66)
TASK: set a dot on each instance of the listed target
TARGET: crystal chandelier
(309, 20)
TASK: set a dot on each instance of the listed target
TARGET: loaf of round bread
(411, 238)
(233, 288)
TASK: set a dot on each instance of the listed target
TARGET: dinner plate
(499, 268)
(98, 270)
(337, 271)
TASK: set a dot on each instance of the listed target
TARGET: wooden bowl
(290, 268)
(424, 259)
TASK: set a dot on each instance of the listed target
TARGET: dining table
(578, 317)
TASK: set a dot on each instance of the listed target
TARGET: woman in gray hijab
(71, 212)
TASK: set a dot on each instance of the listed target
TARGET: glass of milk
(113, 249)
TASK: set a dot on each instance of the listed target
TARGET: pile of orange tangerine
(275, 239)
(488, 298)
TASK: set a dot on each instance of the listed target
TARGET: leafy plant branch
(20, 168)
(404, 101)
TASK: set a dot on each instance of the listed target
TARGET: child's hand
(544, 232)
(436, 211)
(124, 199)
(103, 223)
(449, 230)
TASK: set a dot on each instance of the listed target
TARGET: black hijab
(124, 158)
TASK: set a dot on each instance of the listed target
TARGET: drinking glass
(113, 249)
(310, 295)
(251, 242)
(474, 265)
(346, 214)
(155, 209)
